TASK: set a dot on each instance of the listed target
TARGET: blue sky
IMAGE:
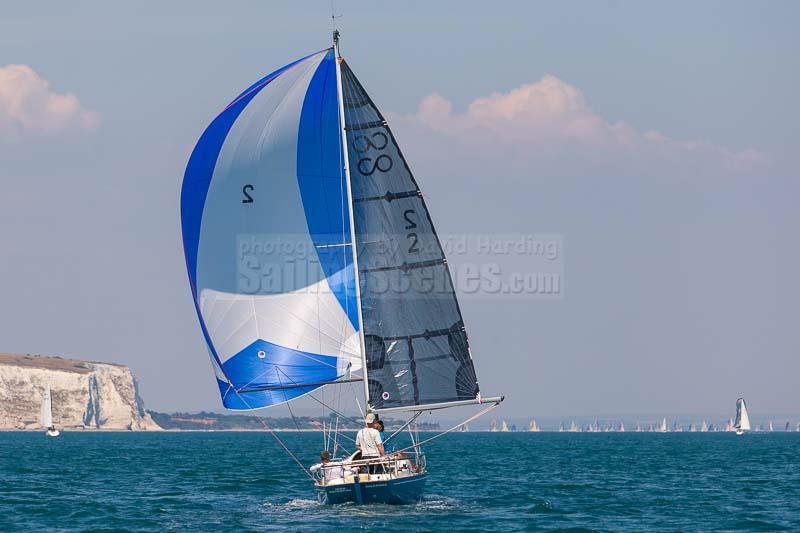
(658, 141)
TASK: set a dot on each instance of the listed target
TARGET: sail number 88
(363, 144)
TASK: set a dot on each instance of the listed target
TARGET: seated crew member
(329, 472)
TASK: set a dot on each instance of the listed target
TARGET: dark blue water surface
(477, 482)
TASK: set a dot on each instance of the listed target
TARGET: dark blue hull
(399, 491)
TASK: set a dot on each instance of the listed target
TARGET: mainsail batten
(415, 344)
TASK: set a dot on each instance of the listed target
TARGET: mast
(346, 161)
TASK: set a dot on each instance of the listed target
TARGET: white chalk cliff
(85, 394)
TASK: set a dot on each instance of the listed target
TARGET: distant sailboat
(649, 428)
(47, 413)
(786, 428)
(742, 422)
(663, 426)
(692, 428)
(573, 428)
(638, 428)
(621, 427)
(464, 428)
(561, 427)
(676, 428)
(504, 427)
(770, 427)
(729, 425)
(703, 427)
(493, 426)
(533, 426)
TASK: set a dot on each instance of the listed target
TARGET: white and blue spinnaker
(266, 237)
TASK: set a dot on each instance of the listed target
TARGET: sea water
(477, 482)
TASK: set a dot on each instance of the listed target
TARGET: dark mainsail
(417, 351)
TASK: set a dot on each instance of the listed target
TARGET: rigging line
(285, 399)
(356, 421)
(278, 439)
(404, 426)
(467, 421)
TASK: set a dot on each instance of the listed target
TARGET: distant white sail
(742, 422)
(573, 428)
(493, 426)
(729, 425)
(533, 426)
(621, 428)
(703, 427)
(638, 428)
(769, 427)
(561, 427)
(47, 409)
(663, 426)
(504, 427)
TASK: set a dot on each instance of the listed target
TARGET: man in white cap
(368, 439)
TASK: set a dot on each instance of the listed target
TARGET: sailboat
(573, 428)
(621, 427)
(533, 426)
(47, 413)
(742, 422)
(637, 428)
(504, 426)
(561, 427)
(729, 425)
(770, 427)
(493, 426)
(464, 428)
(703, 427)
(313, 262)
(663, 426)
(786, 427)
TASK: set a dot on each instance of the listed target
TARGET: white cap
(370, 418)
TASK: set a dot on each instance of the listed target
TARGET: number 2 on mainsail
(313, 260)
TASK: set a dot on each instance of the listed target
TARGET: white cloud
(27, 105)
(548, 129)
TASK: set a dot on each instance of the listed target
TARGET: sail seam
(366, 125)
